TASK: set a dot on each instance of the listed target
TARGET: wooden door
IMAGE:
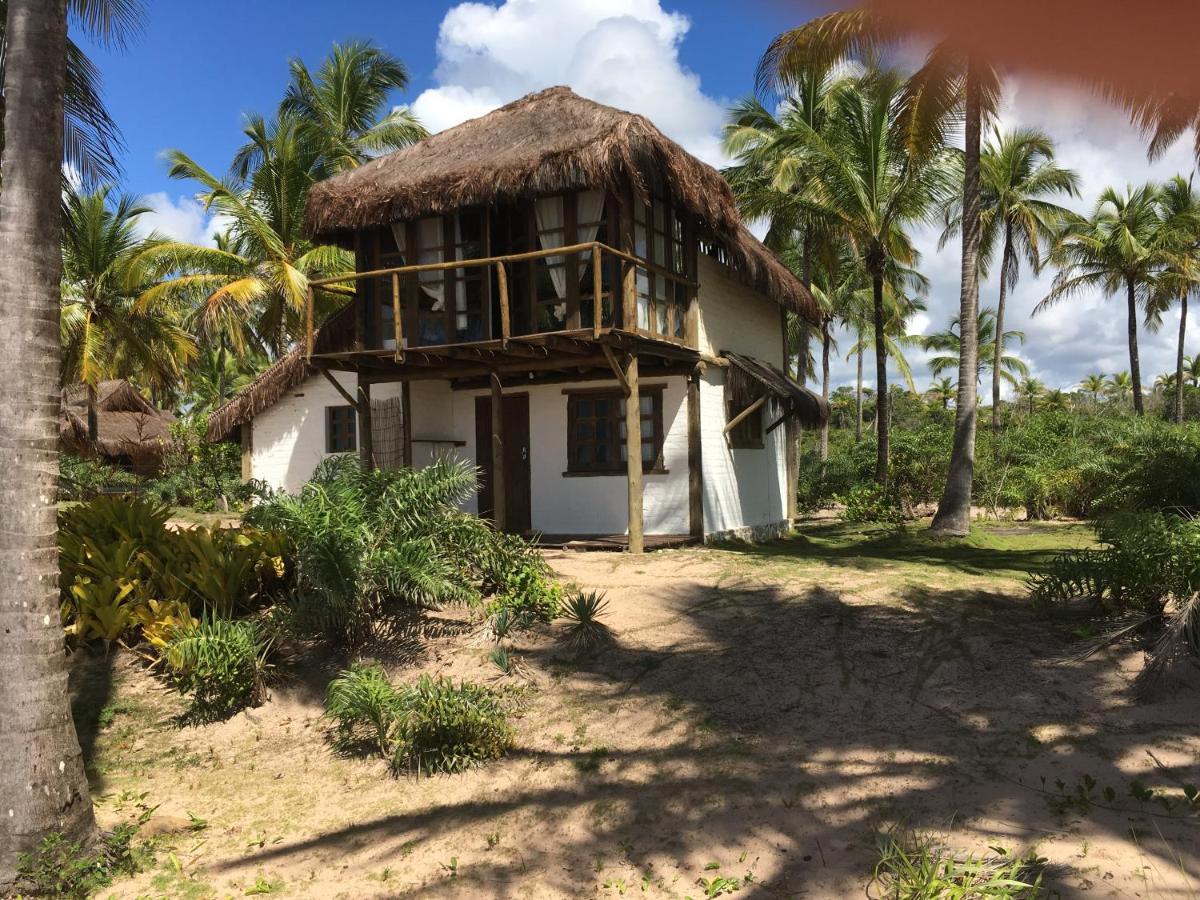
(516, 459)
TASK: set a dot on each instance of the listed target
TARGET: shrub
(916, 867)
(221, 664)
(529, 595)
(199, 473)
(433, 726)
(582, 611)
(82, 479)
(62, 868)
(871, 502)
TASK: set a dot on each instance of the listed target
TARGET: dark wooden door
(516, 459)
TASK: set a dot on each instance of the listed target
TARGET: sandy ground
(760, 716)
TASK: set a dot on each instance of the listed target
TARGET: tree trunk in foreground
(1135, 366)
(998, 354)
(42, 783)
(881, 395)
(826, 340)
(954, 510)
(1179, 359)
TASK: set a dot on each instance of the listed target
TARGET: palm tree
(1031, 389)
(1120, 385)
(342, 108)
(103, 334)
(864, 175)
(41, 768)
(947, 82)
(949, 344)
(260, 270)
(1165, 383)
(1057, 400)
(1191, 370)
(1180, 211)
(1094, 385)
(216, 375)
(1017, 171)
(1116, 248)
(942, 391)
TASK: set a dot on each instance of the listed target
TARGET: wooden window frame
(617, 467)
(331, 431)
(748, 435)
(681, 309)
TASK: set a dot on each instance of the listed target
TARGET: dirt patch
(762, 712)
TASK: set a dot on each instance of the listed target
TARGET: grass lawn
(762, 713)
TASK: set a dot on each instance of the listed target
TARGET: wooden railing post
(633, 454)
(629, 295)
(397, 320)
(597, 287)
(505, 316)
(308, 324)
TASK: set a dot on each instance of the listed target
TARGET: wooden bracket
(744, 414)
(616, 367)
(341, 390)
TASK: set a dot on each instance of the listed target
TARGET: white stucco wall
(735, 317)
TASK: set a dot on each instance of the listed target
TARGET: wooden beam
(633, 455)
(341, 390)
(744, 414)
(366, 442)
(499, 500)
(616, 367)
(406, 415)
(597, 287)
(695, 460)
(397, 318)
(505, 312)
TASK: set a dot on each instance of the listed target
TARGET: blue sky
(187, 82)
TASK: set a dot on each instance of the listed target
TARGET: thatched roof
(127, 423)
(751, 378)
(546, 142)
(284, 375)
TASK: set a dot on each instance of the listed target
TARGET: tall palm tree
(1118, 248)
(1056, 399)
(942, 391)
(1191, 370)
(949, 343)
(1094, 385)
(864, 174)
(1120, 385)
(1031, 390)
(947, 82)
(342, 106)
(42, 776)
(260, 270)
(103, 334)
(1180, 211)
(1017, 173)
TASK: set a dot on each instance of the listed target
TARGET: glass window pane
(584, 454)
(601, 454)
(602, 429)
(647, 453)
(647, 430)
(602, 406)
(584, 409)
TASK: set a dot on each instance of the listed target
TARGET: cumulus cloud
(624, 53)
(181, 218)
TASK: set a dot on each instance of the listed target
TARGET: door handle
(524, 454)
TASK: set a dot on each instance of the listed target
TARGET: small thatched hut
(129, 432)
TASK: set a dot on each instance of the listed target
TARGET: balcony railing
(678, 292)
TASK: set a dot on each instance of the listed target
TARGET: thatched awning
(284, 375)
(544, 143)
(751, 378)
(127, 424)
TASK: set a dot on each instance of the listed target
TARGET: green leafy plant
(914, 866)
(83, 479)
(584, 631)
(872, 503)
(528, 595)
(62, 868)
(365, 707)
(221, 664)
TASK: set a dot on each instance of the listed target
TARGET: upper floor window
(658, 236)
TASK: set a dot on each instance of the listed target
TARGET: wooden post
(792, 462)
(499, 504)
(633, 454)
(695, 467)
(406, 414)
(505, 313)
(366, 444)
(597, 287)
(397, 320)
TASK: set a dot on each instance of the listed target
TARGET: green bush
(871, 502)
(529, 595)
(199, 473)
(434, 726)
(913, 868)
(82, 479)
(62, 868)
(220, 664)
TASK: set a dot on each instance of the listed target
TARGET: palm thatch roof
(284, 375)
(546, 142)
(749, 378)
(127, 423)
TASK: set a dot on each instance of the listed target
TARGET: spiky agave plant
(582, 611)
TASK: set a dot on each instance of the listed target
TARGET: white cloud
(620, 52)
(182, 218)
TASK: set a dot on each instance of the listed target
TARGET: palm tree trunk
(93, 418)
(1179, 360)
(221, 372)
(881, 396)
(42, 781)
(998, 354)
(858, 393)
(1135, 368)
(826, 340)
(954, 510)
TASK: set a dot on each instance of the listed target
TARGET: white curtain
(589, 209)
(429, 250)
(460, 283)
(549, 211)
(399, 232)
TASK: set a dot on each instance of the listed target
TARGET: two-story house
(562, 295)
